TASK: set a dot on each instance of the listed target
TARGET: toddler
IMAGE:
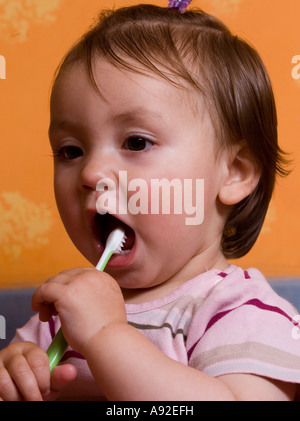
(152, 94)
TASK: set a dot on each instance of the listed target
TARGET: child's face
(150, 130)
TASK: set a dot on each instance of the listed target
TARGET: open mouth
(105, 224)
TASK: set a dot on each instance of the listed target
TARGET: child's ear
(241, 176)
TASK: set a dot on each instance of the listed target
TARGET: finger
(46, 311)
(60, 377)
(8, 389)
(44, 297)
(39, 364)
(65, 276)
(24, 378)
(73, 272)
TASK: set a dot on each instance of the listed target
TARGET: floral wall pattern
(18, 15)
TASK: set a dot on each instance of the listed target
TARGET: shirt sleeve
(245, 327)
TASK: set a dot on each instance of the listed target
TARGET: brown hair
(200, 50)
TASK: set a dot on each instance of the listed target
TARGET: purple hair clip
(181, 5)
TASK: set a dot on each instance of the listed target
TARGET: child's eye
(137, 143)
(68, 153)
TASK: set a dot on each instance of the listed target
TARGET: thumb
(60, 377)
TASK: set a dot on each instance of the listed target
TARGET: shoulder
(243, 299)
(245, 327)
(237, 288)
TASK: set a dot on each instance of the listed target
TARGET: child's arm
(125, 364)
(128, 367)
(25, 374)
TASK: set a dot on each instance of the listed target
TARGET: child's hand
(85, 300)
(25, 374)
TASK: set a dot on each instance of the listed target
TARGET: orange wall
(33, 37)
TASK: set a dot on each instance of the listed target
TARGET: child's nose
(95, 169)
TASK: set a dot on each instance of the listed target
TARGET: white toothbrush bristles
(119, 248)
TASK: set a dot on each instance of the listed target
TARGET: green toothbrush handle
(59, 345)
(57, 349)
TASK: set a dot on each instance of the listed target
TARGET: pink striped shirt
(218, 322)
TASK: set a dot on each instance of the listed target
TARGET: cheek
(63, 187)
(65, 201)
(188, 216)
(163, 234)
(171, 203)
(61, 197)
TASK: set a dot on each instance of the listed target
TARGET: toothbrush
(114, 244)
